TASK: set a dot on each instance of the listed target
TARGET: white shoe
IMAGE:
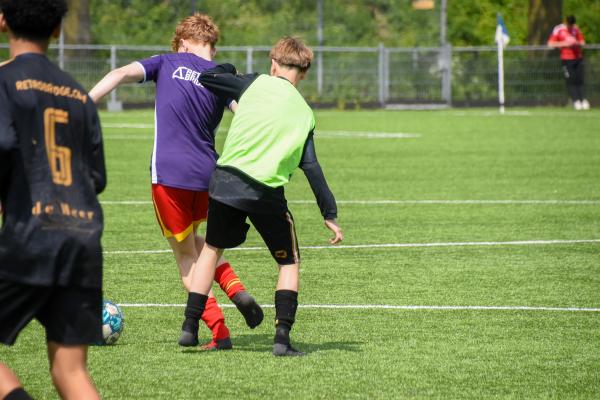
(577, 104)
(585, 105)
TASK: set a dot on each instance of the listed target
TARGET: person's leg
(10, 386)
(179, 212)
(68, 368)
(286, 304)
(570, 79)
(19, 305)
(580, 76)
(226, 228)
(186, 253)
(279, 233)
(202, 278)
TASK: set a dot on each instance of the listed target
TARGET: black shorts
(226, 228)
(71, 315)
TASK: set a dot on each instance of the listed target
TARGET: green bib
(268, 131)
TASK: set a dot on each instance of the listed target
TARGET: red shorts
(179, 211)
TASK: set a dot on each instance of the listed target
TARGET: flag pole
(501, 76)
(501, 41)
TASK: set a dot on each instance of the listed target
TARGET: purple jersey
(186, 117)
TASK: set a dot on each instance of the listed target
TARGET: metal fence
(349, 77)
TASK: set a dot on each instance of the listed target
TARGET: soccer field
(470, 267)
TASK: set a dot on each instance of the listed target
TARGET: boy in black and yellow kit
(51, 169)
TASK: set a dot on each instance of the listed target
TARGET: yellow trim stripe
(293, 235)
(231, 283)
(182, 235)
(165, 231)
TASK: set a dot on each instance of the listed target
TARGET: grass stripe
(389, 202)
(388, 245)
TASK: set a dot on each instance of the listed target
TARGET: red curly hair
(197, 27)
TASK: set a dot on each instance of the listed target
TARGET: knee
(61, 372)
(187, 282)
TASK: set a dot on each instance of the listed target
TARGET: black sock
(193, 311)
(18, 394)
(286, 303)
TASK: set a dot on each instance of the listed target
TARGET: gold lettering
(90, 215)
(49, 209)
(37, 208)
(47, 87)
(66, 210)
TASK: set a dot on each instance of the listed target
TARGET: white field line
(127, 125)
(517, 113)
(367, 135)
(391, 245)
(391, 202)
(319, 134)
(390, 307)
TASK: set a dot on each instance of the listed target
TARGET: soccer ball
(113, 322)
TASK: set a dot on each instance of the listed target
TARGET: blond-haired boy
(270, 136)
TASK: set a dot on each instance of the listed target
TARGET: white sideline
(320, 133)
(384, 202)
(388, 245)
(516, 113)
(389, 307)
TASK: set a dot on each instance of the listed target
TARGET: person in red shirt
(568, 38)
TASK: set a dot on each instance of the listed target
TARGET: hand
(333, 226)
(570, 41)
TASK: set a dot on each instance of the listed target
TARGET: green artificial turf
(513, 166)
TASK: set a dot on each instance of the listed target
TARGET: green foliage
(346, 22)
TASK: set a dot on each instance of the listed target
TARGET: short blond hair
(197, 27)
(292, 52)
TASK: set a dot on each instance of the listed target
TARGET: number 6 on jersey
(59, 157)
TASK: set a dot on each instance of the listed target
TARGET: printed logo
(280, 254)
(186, 74)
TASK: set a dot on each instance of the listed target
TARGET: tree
(77, 22)
(543, 16)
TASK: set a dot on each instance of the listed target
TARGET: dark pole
(193, 7)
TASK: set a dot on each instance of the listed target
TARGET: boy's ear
(274, 67)
(56, 32)
(3, 24)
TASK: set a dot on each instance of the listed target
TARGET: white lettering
(186, 74)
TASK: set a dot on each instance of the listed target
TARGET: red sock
(215, 320)
(228, 280)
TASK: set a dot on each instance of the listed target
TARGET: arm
(325, 200)
(97, 167)
(580, 38)
(127, 74)
(224, 81)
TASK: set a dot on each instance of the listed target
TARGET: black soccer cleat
(286, 350)
(249, 308)
(188, 339)
(219, 344)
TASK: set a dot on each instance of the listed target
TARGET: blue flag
(501, 31)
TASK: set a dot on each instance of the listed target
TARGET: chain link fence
(353, 77)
